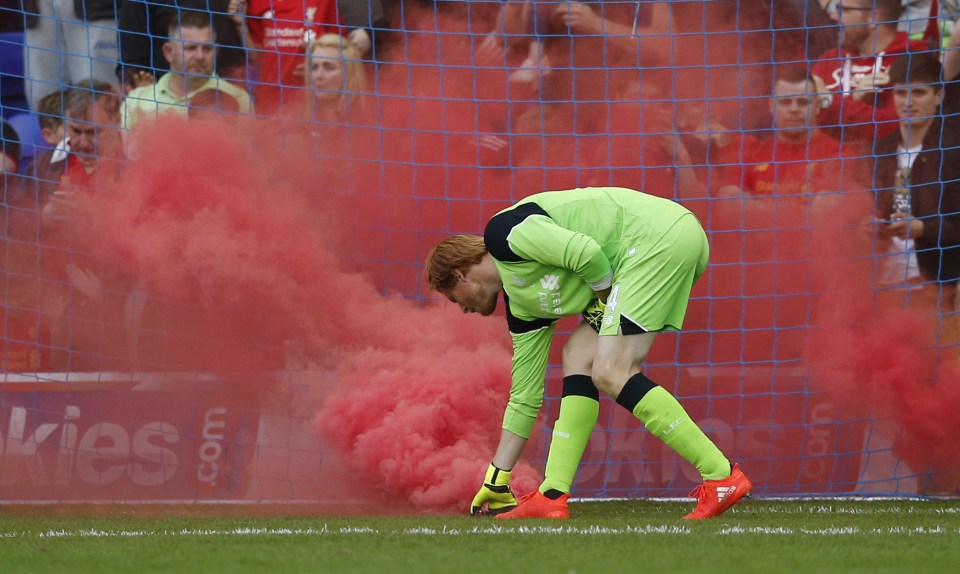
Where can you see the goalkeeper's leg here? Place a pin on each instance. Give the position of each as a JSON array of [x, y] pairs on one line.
[[619, 359], [650, 293], [579, 409], [724, 484]]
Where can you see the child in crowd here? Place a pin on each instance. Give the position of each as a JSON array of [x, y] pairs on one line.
[[50, 110]]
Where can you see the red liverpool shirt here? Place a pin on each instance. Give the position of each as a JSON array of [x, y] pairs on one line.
[[282, 29], [776, 168]]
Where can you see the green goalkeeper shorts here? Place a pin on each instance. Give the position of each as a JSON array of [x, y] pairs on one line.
[[651, 286]]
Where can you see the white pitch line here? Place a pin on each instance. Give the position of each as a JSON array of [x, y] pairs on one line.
[[494, 530], [824, 500]]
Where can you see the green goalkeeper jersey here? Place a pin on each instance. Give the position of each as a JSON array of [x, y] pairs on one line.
[[553, 251]]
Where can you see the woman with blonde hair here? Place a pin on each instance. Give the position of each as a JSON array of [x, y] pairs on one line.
[[337, 79]]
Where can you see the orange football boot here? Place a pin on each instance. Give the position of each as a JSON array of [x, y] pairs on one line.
[[714, 497], [536, 505]]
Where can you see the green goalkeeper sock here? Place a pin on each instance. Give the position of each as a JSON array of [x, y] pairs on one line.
[[665, 418], [579, 409]]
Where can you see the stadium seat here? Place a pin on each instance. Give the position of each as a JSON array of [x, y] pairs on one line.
[[13, 95], [32, 143]]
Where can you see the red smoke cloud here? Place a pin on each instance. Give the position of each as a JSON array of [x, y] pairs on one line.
[[419, 421], [239, 252], [886, 357]]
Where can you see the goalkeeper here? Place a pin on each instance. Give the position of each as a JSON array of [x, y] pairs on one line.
[[627, 261]]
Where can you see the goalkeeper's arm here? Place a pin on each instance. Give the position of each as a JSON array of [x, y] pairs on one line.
[[509, 450], [530, 351]]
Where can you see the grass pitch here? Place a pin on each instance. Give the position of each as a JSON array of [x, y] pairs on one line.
[[623, 536]]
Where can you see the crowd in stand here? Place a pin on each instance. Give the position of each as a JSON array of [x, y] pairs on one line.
[[860, 95]]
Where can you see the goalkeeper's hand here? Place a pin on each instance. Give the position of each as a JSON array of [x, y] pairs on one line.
[[594, 314], [495, 494]]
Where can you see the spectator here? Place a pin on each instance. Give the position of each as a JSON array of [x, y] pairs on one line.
[[278, 34], [50, 112], [9, 148], [68, 41], [191, 52], [87, 157], [87, 161], [798, 160], [854, 74], [337, 79], [918, 185], [337, 115], [50, 116], [592, 27], [144, 26]]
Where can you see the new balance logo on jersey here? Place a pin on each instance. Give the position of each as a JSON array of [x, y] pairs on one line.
[[725, 492], [551, 282]]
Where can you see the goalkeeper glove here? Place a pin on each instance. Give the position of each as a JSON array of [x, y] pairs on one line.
[[495, 493], [594, 314]]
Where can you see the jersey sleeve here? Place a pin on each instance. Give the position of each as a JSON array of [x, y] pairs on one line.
[[859, 119], [540, 239], [531, 349]]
